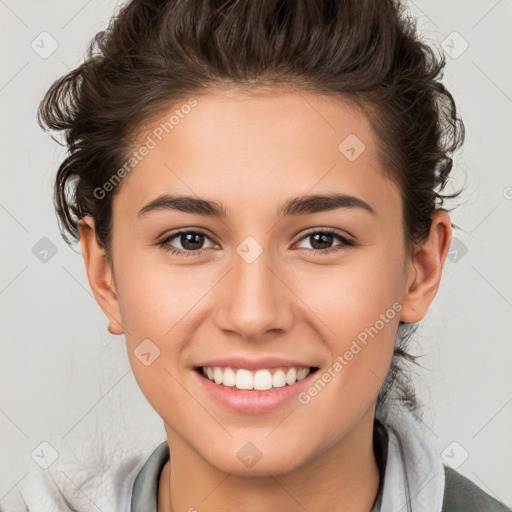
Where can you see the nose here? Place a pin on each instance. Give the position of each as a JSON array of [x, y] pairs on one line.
[[255, 299]]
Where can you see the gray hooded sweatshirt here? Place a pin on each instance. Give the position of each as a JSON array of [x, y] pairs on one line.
[[414, 478]]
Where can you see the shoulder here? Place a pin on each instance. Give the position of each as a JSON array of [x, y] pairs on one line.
[[461, 494], [74, 487], [37, 490]]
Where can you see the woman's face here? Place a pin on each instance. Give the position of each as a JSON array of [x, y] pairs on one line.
[[260, 287]]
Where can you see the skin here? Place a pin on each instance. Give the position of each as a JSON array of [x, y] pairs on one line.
[[252, 152]]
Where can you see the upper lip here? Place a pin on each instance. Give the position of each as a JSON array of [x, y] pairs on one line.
[[255, 364]]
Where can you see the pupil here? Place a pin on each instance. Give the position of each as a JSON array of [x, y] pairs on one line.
[[322, 235], [191, 244]]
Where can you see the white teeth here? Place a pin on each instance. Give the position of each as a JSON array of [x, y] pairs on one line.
[[217, 375], [279, 379], [260, 380], [229, 378], [291, 376], [302, 373], [243, 379]]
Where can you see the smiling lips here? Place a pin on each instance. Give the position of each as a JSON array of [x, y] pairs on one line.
[[260, 380], [254, 385]]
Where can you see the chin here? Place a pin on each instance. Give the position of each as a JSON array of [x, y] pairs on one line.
[[255, 459]]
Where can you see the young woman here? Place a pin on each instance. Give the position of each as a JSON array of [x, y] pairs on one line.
[[257, 190]]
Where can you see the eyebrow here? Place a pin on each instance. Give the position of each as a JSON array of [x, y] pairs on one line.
[[296, 206]]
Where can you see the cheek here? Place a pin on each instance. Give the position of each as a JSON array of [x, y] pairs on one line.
[[155, 302], [353, 295], [159, 306], [358, 306], [154, 297]]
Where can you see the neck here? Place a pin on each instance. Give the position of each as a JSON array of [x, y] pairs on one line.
[[344, 477]]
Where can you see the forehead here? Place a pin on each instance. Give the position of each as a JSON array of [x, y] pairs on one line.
[[246, 148]]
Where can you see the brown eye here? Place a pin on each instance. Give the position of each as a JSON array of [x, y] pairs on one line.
[[321, 241], [191, 243]]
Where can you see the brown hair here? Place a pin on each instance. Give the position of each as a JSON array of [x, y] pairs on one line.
[[155, 52]]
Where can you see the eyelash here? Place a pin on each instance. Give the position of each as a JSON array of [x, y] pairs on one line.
[[316, 252]]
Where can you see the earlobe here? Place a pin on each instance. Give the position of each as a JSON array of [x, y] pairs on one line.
[[99, 274], [426, 269]]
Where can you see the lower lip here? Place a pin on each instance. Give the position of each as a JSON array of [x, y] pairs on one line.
[[252, 401]]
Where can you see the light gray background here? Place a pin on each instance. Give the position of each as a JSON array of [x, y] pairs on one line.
[[65, 380]]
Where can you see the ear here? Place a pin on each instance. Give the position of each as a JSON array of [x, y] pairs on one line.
[[425, 269], [100, 274]]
